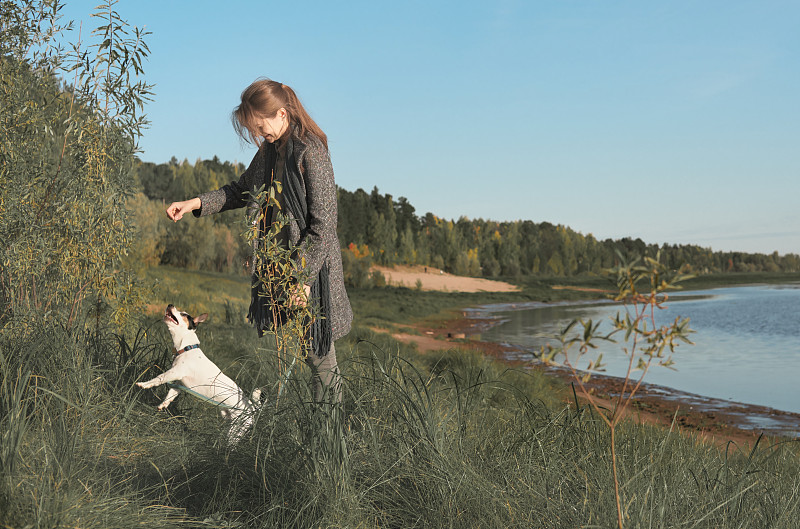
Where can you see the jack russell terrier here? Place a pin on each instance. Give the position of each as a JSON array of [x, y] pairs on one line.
[[199, 376]]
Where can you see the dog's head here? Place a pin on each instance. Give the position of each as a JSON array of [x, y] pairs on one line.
[[179, 322], [174, 317]]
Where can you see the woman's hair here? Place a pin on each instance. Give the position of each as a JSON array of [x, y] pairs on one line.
[[263, 99]]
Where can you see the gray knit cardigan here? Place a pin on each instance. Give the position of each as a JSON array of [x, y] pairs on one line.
[[318, 243]]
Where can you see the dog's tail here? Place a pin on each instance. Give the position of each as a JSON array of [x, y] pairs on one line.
[[255, 397]]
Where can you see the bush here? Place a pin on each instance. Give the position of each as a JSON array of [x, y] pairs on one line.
[[377, 278], [66, 158]]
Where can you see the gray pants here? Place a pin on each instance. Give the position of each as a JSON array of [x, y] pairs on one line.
[[326, 380]]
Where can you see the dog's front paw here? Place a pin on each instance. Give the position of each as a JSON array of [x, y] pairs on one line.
[[162, 407]]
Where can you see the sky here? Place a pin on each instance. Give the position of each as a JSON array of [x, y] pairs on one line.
[[671, 121]]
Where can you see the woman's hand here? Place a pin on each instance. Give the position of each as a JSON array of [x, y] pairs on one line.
[[176, 210], [301, 296]]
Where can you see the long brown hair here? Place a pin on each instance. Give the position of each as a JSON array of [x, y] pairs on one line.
[[262, 99]]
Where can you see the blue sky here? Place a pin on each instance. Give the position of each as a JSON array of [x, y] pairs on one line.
[[676, 122]]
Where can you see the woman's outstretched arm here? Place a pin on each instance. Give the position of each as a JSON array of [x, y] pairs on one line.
[[177, 210]]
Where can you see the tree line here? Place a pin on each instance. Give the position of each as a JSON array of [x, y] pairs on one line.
[[374, 228]]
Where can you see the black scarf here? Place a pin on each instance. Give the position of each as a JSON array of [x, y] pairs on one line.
[[295, 201]]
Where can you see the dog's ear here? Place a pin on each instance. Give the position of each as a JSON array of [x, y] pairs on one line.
[[201, 318]]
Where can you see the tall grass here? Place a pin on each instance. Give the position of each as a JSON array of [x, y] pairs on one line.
[[68, 427], [436, 440]]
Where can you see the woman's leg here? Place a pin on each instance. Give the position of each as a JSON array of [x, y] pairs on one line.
[[326, 380]]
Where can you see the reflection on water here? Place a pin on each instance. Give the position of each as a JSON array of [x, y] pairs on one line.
[[747, 341]]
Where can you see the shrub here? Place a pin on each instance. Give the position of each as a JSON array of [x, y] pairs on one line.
[[66, 156]]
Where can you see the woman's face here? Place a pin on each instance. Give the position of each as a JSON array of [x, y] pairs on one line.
[[271, 129]]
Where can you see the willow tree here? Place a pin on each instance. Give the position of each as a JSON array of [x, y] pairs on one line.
[[66, 152]]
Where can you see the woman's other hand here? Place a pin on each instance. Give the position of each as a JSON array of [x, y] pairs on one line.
[[301, 296], [176, 210]]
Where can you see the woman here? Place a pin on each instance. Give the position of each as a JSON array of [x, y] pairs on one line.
[[292, 148]]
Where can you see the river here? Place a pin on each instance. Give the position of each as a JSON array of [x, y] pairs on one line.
[[746, 341]]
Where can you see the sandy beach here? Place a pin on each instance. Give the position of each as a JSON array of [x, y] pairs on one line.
[[434, 279]]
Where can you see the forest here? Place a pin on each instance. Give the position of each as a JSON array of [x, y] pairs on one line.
[[376, 228]]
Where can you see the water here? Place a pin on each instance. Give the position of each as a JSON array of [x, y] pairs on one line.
[[747, 341]]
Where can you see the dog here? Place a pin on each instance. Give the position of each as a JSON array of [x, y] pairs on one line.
[[199, 376]]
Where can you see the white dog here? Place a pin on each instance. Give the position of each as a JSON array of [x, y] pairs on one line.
[[199, 376]]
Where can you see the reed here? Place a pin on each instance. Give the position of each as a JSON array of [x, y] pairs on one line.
[[438, 440]]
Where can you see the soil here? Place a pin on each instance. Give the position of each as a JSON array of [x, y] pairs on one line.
[[711, 420]]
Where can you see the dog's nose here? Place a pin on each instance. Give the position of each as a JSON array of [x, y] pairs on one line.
[[170, 306]]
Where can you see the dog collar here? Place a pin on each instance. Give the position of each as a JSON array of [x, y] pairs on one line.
[[187, 348]]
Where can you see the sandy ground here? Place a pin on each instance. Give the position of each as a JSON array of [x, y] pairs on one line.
[[435, 279]]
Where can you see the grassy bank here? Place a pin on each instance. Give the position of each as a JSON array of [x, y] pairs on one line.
[[446, 439], [225, 296], [729, 280]]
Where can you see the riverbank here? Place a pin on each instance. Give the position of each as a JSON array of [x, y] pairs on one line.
[[705, 416], [714, 420]]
